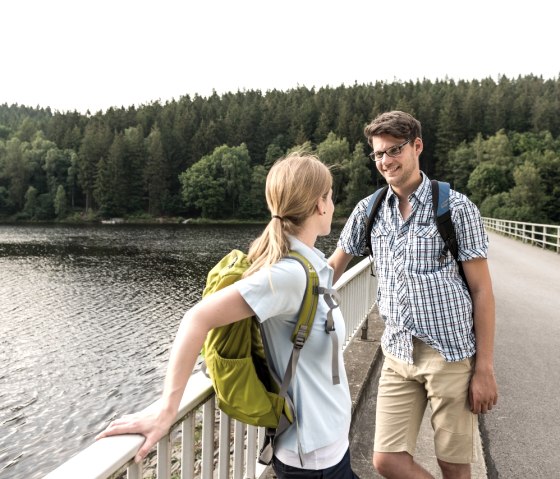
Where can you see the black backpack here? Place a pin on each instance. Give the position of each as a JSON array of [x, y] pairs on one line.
[[442, 216]]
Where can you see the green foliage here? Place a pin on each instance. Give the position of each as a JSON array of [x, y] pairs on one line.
[[516, 177], [216, 185], [31, 201], [359, 173], [16, 171], [465, 124], [462, 161], [6, 205], [487, 179], [4, 132], [335, 152], [60, 203], [95, 146], [156, 174], [253, 205], [528, 195], [110, 181]]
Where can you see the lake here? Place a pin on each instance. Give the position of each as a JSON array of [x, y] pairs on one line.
[[87, 316]]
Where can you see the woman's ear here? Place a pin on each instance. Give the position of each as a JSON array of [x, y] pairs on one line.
[[320, 206]]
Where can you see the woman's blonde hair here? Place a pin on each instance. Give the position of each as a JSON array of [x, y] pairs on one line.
[[293, 186]]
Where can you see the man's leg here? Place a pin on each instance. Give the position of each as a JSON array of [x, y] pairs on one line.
[[399, 465], [401, 402], [454, 424]]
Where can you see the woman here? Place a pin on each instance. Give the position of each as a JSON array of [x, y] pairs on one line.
[[299, 197]]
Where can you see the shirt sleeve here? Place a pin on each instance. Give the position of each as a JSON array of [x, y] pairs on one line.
[[274, 291], [352, 239], [469, 228]]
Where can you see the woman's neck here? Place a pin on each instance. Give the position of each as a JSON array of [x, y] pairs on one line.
[[307, 237]]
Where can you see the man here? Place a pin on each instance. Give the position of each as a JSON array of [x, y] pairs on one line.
[[439, 339]]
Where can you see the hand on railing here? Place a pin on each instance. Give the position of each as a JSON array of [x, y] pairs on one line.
[[152, 424]]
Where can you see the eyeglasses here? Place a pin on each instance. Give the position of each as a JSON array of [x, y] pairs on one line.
[[391, 152]]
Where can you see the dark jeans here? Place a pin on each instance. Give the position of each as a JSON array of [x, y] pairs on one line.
[[342, 470]]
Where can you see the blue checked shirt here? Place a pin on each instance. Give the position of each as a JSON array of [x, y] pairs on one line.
[[417, 294]]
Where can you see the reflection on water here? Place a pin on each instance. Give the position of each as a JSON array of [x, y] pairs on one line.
[[87, 316]]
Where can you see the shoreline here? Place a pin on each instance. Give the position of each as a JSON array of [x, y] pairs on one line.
[[148, 222]]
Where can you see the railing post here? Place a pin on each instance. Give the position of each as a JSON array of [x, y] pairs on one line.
[[164, 457], [223, 446], [134, 471], [251, 453], [187, 448], [238, 434], [208, 422], [364, 335]]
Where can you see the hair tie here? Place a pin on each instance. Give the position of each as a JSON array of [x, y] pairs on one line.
[[279, 217]]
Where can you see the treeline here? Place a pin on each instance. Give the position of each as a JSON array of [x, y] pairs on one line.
[[496, 141]]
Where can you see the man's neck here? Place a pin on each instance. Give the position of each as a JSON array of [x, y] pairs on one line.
[[403, 192]]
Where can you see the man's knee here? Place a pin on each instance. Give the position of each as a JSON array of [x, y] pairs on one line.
[[385, 463], [399, 465], [454, 471]]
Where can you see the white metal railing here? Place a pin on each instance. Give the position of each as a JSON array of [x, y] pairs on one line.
[[206, 450], [546, 236]]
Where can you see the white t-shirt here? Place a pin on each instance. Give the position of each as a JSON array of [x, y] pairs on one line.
[[323, 409]]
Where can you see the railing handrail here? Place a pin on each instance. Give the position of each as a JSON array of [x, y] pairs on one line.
[[105, 457], [544, 235], [525, 223]]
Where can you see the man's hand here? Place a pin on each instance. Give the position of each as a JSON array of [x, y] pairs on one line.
[[483, 391]]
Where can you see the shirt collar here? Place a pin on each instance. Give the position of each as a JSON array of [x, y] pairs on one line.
[[423, 192], [315, 256]]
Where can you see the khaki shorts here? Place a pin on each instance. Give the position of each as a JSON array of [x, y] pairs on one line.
[[404, 391]]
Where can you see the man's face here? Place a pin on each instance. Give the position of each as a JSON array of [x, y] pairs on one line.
[[397, 160]]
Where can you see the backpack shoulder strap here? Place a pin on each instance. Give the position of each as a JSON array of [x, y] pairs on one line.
[[372, 207], [309, 303], [308, 311], [442, 216], [300, 334]]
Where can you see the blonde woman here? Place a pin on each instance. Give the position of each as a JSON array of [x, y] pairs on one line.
[[299, 197]]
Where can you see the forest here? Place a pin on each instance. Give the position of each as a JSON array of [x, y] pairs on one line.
[[207, 157]]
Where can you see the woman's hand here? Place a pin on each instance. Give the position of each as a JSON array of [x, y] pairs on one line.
[[152, 425]]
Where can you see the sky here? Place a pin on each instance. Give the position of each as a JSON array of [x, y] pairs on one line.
[[94, 54]]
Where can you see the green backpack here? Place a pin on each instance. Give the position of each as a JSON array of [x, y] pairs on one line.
[[236, 359]]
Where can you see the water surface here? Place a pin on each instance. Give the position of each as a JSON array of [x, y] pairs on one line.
[[87, 316]]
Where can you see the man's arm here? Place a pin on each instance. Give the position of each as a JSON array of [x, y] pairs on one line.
[[339, 261], [483, 387]]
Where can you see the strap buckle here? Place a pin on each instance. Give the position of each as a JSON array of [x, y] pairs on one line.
[[300, 337]]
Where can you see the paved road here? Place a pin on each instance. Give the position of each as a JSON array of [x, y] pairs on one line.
[[522, 433]]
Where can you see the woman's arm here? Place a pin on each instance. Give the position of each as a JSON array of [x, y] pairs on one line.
[[222, 307]]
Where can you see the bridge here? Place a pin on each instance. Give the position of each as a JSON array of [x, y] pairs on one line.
[[520, 437]]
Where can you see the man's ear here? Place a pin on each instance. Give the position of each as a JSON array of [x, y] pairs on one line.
[[418, 145]]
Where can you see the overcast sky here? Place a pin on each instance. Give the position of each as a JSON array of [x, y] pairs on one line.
[[82, 54]]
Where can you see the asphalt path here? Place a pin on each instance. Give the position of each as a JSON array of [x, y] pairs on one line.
[[521, 435]]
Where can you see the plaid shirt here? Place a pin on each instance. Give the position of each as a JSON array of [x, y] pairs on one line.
[[417, 294]]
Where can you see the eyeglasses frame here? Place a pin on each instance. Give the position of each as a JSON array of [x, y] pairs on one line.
[[373, 154]]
